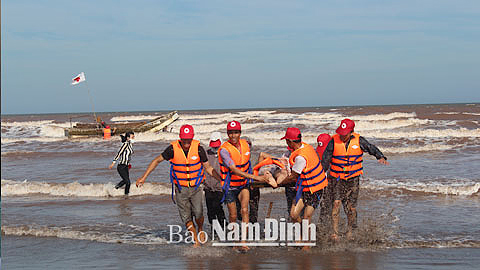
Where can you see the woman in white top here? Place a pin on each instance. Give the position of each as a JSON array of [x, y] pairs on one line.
[[123, 157]]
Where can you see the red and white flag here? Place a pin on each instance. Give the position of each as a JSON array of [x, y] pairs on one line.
[[78, 79]]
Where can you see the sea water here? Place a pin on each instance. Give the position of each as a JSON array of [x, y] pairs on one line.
[[60, 209]]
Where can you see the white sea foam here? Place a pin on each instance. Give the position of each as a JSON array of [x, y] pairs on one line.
[[26, 123], [8, 153], [384, 117], [454, 187], [138, 237], [128, 118], [425, 133], [36, 130], [34, 139], [451, 113], [416, 148], [75, 189]]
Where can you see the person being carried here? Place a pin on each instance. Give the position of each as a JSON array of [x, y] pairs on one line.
[[277, 167], [123, 157], [212, 187], [279, 174], [344, 156], [188, 163]]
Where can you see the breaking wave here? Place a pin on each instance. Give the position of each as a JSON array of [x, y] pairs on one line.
[[127, 234], [75, 189], [454, 187]]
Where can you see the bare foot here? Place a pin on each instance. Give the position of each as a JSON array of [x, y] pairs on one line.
[[334, 237], [202, 237], [270, 180], [282, 176], [350, 236], [306, 248], [244, 248], [196, 245]]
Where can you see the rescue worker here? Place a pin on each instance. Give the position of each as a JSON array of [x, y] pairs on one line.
[[212, 187], [326, 204], [236, 172], [307, 172], [344, 156], [188, 163]]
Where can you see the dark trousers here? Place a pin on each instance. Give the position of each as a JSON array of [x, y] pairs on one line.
[[214, 206], [326, 205], [122, 169]]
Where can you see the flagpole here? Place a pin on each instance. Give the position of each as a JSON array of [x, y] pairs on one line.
[[91, 100]]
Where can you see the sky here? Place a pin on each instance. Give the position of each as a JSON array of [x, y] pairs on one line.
[[151, 55]]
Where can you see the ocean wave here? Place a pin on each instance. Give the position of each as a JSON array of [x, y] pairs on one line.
[[33, 139], [36, 130], [425, 133], [75, 189], [129, 118], [454, 187], [417, 149], [379, 117], [136, 235], [26, 123], [13, 153], [267, 138], [133, 236], [436, 243]]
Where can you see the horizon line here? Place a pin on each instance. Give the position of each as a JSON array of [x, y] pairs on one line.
[[246, 108]]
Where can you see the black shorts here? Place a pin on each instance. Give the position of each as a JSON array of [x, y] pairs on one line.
[[347, 190], [312, 199]]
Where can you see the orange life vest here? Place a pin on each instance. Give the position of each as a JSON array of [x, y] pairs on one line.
[[186, 171], [346, 163], [313, 177], [241, 158], [107, 133], [267, 161]]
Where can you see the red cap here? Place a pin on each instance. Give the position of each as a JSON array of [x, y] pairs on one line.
[[215, 144], [292, 133], [323, 138], [322, 141], [234, 125], [346, 126], [186, 132]]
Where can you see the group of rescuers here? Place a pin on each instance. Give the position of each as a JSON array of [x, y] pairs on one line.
[[302, 171]]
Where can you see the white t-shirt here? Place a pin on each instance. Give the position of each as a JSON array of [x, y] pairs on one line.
[[300, 164]]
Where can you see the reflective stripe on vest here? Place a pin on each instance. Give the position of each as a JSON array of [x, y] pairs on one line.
[[312, 178], [346, 163], [186, 171], [241, 159]]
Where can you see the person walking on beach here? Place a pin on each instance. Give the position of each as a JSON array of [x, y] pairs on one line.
[[123, 157], [344, 156], [254, 197], [213, 187], [236, 171], [188, 163], [307, 172]]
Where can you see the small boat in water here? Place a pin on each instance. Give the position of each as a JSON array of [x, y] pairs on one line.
[[96, 129]]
